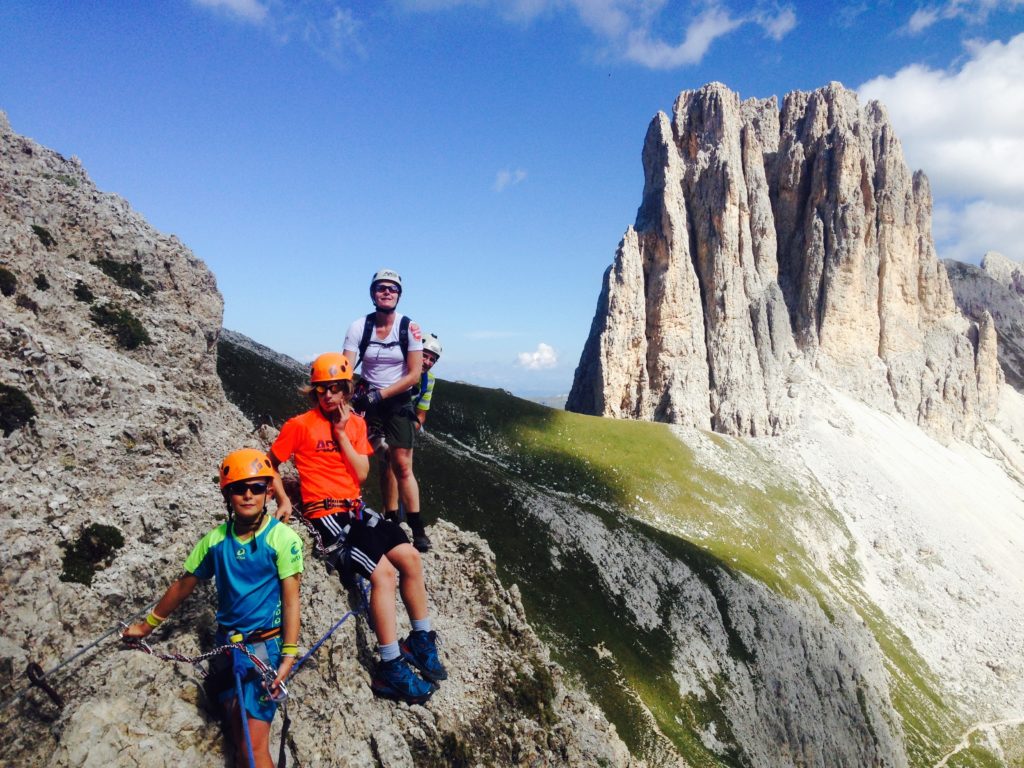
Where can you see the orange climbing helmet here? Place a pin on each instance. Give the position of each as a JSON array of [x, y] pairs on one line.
[[330, 366], [245, 464]]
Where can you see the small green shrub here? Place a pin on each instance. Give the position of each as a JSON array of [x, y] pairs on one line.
[[121, 324], [93, 551], [8, 282], [456, 752], [82, 293], [126, 275], [44, 236], [534, 693], [25, 302], [16, 410], [41, 282], [64, 178]]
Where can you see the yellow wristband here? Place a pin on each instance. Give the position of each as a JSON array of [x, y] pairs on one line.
[[153, 620], [289, 649]]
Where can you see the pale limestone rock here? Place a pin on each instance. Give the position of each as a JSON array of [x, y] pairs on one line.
[[805, 242], [995, 290], [132, 439]]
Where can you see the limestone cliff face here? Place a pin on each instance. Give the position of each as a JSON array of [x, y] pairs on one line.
[[996, 290], [109, 330], [770, 241]]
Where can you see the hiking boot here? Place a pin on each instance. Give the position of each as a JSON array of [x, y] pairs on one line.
[[421, 541], [395, 680], [420, 650]]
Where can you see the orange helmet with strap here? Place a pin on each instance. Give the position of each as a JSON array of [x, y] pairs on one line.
[[330, 366], [245, 464]]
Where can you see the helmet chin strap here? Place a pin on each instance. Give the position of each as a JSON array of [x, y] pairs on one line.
[[385, 310], [256, 525]]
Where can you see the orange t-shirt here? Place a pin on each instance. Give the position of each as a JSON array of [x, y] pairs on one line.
[[323, 471]]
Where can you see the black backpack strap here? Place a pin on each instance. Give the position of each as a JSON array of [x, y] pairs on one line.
[[403, 336], [365, 341]]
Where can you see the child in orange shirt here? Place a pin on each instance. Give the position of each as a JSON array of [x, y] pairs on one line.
[[331, 452]]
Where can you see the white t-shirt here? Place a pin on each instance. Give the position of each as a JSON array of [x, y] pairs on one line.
[[383, 363]]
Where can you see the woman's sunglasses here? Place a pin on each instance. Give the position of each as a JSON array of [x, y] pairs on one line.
[[239, 488], [334, 388]]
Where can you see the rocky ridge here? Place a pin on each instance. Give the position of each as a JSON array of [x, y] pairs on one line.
[[109, 329], [772, 244], [995, 288]]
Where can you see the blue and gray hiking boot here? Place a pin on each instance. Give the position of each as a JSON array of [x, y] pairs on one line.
[[420, 650], [394, 680]]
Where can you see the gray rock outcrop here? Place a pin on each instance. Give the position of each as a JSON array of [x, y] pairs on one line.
[[995, 289], [109, 329], [770, 243]]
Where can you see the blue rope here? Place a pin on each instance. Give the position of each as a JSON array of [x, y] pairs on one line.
[[239, 669], [364, 590]]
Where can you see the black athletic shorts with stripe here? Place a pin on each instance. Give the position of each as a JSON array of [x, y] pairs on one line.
[[367, 540]]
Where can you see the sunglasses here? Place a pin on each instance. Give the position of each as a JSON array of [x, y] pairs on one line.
[[388, 289], [239, 488], [334, 388]]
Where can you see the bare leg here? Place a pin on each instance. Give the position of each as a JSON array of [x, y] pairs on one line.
[[409, 490], [259, 732], [384, 585], [406, 559], [389, 489]]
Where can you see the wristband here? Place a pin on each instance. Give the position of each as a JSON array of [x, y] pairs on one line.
[[153, 620], [289, 649]]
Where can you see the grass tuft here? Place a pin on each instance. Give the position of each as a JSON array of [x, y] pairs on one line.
[[16, 410], [8, 282], [127, 330], [93, 551], [126, 275]]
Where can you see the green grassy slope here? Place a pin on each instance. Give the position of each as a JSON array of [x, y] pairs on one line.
[[488, 454]]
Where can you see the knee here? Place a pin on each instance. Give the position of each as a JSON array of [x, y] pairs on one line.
[[401, 463], [384, 576], [407, 559]]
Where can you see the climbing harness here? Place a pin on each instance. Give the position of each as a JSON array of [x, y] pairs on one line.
[[265, 671]]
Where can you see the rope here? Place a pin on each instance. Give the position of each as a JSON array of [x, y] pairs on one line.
[[239, 669], [265, 671], [71, 658]]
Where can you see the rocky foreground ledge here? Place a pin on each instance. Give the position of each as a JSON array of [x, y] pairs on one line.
[[113, 426]]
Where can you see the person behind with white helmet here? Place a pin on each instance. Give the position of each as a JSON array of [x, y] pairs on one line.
[[431, 354], [389, 348], [421, 404]]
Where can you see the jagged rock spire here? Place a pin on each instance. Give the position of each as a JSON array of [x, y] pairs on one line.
[[769, 241]]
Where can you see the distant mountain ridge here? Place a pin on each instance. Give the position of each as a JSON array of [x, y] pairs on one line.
[[995, 288], [771, 245]]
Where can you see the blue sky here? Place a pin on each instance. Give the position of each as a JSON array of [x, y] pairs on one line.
[[489, 151]]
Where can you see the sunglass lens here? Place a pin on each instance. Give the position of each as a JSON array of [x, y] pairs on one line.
[[239, 489]]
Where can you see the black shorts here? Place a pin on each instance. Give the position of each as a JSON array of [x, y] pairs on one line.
[[366, 540], [395, 419]]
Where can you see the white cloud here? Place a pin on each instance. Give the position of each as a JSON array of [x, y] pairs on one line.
[[642, 31], [971, 11], [329, 28], [965, 232], [544, 357], [247, 10], [701, 33], [508, 178], [777, 26], [963, 128], [922, 19]]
